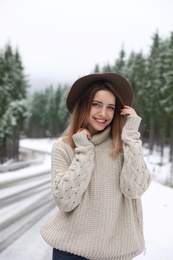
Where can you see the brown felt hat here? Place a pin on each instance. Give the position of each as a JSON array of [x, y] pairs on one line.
[[122, 87]]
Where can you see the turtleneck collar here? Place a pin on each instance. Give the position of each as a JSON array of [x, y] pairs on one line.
[[101, 136]]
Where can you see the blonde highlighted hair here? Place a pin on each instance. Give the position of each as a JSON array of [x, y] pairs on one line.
[[81, 112]]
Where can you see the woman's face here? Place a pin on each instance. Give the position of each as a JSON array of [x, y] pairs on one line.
[[102, 111]]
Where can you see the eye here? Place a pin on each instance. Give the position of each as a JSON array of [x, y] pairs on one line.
[[95, 104], [111, 108]]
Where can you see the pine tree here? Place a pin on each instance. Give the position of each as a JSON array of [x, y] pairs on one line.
[[97, 68], [154, 82], [136, 74], [167, 93], [120, 64], [36, 122], [63, 114], [13, 110], [48, 112]]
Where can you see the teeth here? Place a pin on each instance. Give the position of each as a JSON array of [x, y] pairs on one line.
[[101, 120]]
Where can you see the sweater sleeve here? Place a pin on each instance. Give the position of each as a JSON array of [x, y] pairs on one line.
[[70, 179], [135, 177]]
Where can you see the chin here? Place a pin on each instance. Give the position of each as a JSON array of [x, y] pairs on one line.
[[101, 129]]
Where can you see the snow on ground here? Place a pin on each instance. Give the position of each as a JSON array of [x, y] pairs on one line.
[[158, 222], [157, 207], [160, 168], [30, 246], [44, 145]]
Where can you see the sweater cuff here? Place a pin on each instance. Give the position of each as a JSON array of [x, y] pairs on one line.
[[132, 122], [80, 139]]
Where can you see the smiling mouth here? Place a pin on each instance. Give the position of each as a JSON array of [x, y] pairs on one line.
[[100, 120]]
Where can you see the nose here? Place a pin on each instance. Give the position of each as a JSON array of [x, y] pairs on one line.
[[102, 112]]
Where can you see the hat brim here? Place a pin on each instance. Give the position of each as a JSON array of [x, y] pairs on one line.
[[122, 87]]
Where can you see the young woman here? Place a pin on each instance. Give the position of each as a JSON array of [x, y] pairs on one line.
[[98, 174]]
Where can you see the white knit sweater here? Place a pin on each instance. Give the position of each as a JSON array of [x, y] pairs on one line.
[[100, 216]]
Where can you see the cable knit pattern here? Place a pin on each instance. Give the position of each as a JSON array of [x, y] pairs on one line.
[[70, 181], [135, 176], [100, 216]]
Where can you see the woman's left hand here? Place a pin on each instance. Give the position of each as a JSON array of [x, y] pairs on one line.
[[128, 111]]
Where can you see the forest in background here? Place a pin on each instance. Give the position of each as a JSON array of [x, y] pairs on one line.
[[44, 114]]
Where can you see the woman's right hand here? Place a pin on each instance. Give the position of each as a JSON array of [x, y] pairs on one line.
[[84, 130]]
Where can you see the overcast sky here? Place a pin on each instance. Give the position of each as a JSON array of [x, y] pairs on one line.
[[61, 40]]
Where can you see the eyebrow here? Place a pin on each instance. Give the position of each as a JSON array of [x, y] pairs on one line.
[[102, 103]]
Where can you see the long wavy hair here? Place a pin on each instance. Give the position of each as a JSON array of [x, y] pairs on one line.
[[81, 113]]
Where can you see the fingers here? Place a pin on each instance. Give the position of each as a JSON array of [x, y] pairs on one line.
[[128, 111], [84, 130]]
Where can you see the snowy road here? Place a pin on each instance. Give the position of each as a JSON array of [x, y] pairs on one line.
[[158, 228], [30, 246], [158, 220]]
